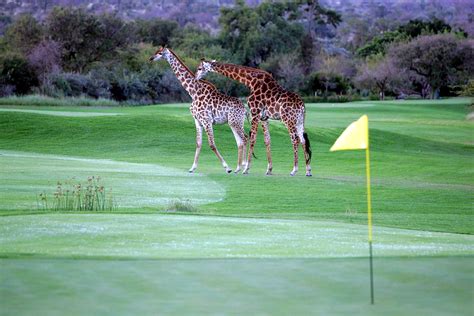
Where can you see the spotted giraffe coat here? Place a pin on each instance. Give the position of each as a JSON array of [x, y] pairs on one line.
[[209, 107]]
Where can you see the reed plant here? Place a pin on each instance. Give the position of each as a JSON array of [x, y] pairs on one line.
[[76, 196]]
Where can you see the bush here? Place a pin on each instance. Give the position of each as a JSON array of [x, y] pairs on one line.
[[77, 85], [6, 90], [468, 89], [16, 72]]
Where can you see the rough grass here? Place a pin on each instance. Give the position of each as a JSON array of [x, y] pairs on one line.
[[41, 100]]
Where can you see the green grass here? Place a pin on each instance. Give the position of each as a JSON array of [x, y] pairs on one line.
[[422, 164], [404, 286], [297, 244]]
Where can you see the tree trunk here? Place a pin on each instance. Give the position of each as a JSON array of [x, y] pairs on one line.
[[434, 93], [382, 90]]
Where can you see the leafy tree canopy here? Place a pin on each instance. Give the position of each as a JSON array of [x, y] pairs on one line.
[[410, 30]]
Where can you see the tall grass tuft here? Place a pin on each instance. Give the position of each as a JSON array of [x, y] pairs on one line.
[[178, 205], [70, 196]]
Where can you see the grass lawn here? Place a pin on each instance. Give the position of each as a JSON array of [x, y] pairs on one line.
[[251, 244]]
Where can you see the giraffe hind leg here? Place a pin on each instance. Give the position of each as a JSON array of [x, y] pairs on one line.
[[305, 143], [241, 141], [267, 140], [295, 142], [252, 140], [210, 138]]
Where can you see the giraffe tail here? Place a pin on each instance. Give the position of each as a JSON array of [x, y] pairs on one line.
[[308, 147]]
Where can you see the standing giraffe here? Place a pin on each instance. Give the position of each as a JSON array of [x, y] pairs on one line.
[[208, 107], [267, 100]]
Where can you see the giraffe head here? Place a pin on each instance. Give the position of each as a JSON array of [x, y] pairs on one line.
[[161, 52], [203, 68]]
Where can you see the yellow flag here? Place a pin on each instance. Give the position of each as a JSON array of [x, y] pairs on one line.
[[355, 136]]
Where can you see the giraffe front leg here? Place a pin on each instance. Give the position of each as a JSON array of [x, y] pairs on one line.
[[295, 142], [198, 145], [210, 138], [253, 139], [266, 133]]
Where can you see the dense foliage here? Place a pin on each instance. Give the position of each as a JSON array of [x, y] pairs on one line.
[[73, 52]]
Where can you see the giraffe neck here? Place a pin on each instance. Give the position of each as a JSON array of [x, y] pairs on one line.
[[251, 77], [182, 72]]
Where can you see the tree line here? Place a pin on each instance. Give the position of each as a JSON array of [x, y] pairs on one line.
[[76, 53]]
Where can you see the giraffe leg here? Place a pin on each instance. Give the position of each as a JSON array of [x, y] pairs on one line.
[[210, 138], [241, 141], [306, 149], [253, 139], [266, 133], [198, 145], [295, 141]]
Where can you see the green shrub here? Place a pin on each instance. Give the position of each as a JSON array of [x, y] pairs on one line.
[[16, 72], [468, 89]]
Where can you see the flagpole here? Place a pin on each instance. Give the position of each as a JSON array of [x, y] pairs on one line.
[[369, 214]]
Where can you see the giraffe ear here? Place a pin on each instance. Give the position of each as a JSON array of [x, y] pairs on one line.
[[213, 61], [203, 59]]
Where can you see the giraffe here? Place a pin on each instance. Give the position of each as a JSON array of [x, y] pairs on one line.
[[267, 100], [208, 107]]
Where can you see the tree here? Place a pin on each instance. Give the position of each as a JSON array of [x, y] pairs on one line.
[[418, 27], [87, 38], [15, 72], [45, 59], [312, 15], [440, 59], [414, 28], [380, 75], [332, 72], [156, 31], [24, 34], [254, 34], [379, 44], [290, 72]]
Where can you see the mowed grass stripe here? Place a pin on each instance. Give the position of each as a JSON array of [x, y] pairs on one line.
[[189, 236]]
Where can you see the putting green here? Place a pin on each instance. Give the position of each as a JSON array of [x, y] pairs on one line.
[[403, 286], [138, 264], [25, 175], [154, 236]]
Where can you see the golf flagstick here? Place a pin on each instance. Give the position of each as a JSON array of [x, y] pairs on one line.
[[369, 218], [356, 136]]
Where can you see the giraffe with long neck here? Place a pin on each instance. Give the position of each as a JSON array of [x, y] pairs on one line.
[[208, 107], [267, 100]]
